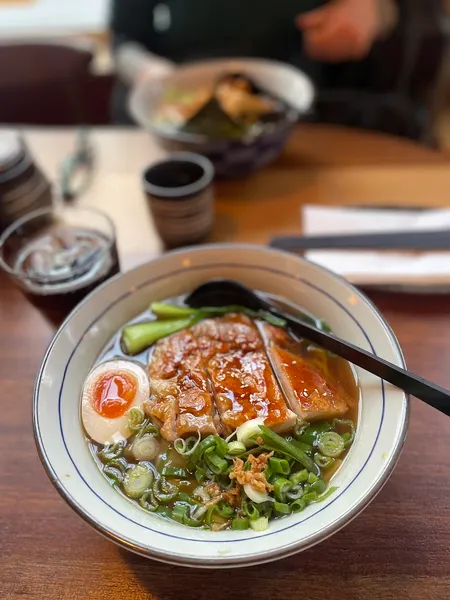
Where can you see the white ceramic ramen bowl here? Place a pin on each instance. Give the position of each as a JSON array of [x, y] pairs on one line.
[[383, 414]]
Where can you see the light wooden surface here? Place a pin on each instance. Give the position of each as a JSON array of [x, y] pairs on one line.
[[398, 548], [322, 165]]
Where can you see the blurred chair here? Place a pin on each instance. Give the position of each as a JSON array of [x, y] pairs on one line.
[[399, 88], [44, 83]]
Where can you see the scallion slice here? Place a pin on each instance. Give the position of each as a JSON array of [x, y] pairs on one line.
[[137, 480], [348, 436], [148, 501], [240, 524], [260, 524], [111, 451], [236, 448], [114, 475], [175, 472], [280, 488], [299, 477], [187, 447], [135, 419], [251, 510], [164, 491], [331, 444], [324, 462], [298, 505], [279, 465], [295, 492], [282, 508]]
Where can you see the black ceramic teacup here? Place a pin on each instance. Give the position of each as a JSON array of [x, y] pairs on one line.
[[180, 195]]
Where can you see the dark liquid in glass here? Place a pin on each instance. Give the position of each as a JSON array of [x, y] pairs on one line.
[[60, 267]]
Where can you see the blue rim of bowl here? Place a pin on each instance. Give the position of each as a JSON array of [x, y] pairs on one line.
[[216, 562]]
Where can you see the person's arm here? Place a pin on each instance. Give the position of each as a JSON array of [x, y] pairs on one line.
[[345, 30], [132, 29]]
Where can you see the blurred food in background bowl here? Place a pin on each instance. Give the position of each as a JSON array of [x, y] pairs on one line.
[[237, 112]]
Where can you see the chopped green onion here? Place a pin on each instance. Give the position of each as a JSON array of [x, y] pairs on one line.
[[279, 465], [147, 427], [175, 472], [240, 524], [221, 446], [170, 311], [299, 477], [324, 462], [299, 429], [260, 524], [164, 491], [148, 501], [319, 486], [145, 447], [197, 454], [298, 505], [111, 451], [280, 488], [236, 448], [135, 419], [310, 497], [217, 464], [282, 508], [118, 463], [187, 447], [251, 510], [349, 436], [279, 444], [165, 511], [137, 480], [184, 497], [210, 514], [114, 475], [295, 492], [327, 494], [312, 432], [224, 510], [181, 513], [140, 336], [312, 478], [200, 475], [331, 444]]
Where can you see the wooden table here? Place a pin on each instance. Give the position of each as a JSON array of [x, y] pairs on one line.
[[398, 548]]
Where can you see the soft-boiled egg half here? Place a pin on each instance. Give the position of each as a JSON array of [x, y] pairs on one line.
[[111, 389]]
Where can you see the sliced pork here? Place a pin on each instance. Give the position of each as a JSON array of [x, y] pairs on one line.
[[309, 394], [213, 377]]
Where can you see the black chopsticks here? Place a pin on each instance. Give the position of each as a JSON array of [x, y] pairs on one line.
[[393, 240]]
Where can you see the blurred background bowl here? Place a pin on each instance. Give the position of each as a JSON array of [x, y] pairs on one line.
[[232, 158]]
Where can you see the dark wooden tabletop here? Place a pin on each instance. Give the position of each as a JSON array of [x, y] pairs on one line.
[[399, 547]]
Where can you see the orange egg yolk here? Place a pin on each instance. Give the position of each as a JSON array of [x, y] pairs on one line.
[[113, 394]]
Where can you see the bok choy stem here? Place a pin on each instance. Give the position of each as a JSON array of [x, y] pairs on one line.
[[138, 337]]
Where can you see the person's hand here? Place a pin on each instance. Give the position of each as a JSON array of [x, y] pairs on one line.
[[342, 30]]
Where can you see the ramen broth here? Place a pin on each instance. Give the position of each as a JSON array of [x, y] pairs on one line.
[[188, 494]]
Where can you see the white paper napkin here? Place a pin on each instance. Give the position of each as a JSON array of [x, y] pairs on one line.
[[422, 270]]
